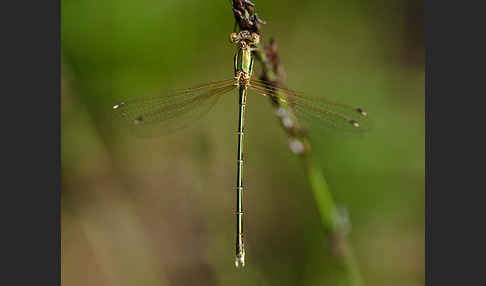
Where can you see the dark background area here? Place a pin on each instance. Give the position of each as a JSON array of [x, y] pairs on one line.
[[160, 211]]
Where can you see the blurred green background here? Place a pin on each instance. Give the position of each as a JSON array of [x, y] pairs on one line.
[[161, 211]]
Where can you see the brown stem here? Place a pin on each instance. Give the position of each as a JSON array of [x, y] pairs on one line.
[[272, 71]]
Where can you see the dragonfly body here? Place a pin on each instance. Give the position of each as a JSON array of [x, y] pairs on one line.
[[160, 112], [243, 71]]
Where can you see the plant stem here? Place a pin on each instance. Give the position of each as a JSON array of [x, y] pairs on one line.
[[333, 223]]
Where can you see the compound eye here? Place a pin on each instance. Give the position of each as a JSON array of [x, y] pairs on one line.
[[234, 38], [255, 38]]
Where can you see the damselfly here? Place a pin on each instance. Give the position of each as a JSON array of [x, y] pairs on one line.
[[165, 112]]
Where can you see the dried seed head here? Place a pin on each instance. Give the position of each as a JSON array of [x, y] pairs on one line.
[[280, 112], [296, 146], [362, 112], [354, 123], [287, 122]]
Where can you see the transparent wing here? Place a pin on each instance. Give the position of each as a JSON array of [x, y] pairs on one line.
[[151, 116], [317, 112]]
